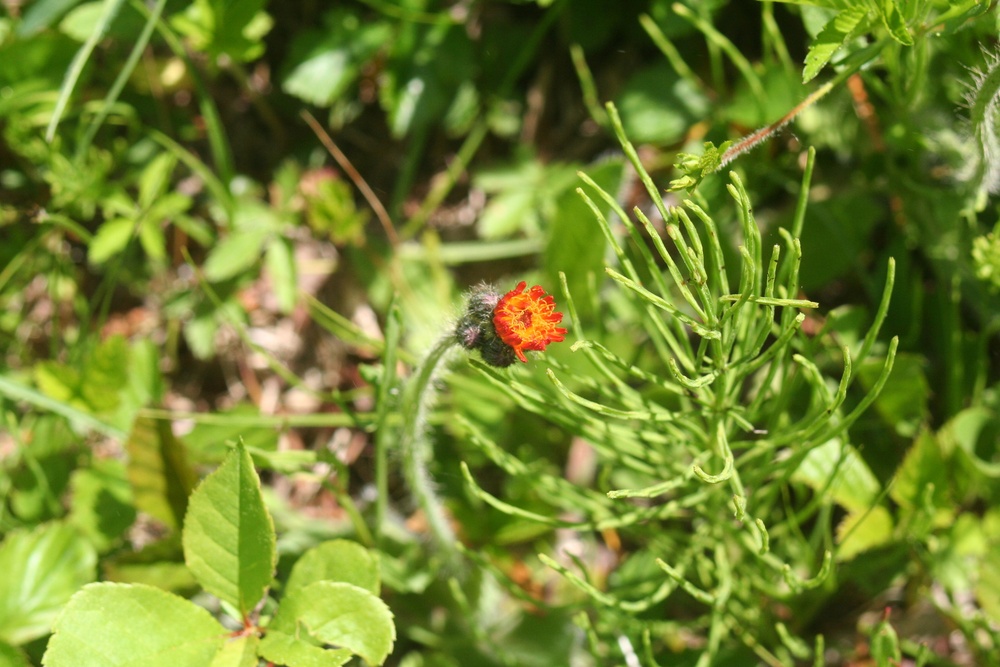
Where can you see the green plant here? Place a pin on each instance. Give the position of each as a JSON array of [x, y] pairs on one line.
[[329, 599]]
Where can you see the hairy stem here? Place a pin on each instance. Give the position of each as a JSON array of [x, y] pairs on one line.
[[416, 448]]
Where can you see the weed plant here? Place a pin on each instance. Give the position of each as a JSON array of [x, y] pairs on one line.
[[758, 424]]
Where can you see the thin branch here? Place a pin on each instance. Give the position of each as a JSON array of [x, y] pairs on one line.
[[353, 174]]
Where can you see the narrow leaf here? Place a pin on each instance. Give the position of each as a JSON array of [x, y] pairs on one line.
[[229, 541], [112, 625], [40, 570], [341, 615], [158, 471]]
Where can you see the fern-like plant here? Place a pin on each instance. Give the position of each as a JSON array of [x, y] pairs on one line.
[[722, 432]]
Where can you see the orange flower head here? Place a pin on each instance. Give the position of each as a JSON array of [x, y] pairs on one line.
[[527, 320]]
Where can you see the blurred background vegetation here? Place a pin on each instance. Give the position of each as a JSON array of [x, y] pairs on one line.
[[241, 219]]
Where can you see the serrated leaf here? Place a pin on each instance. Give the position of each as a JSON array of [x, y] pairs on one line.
[[158, 471], [229, 541], [284, 649], [336, 560], [235, 254], [894, 23], [341, 615], [40, 570], [862, 530], [132, 625], [853, 486], [833, 35]]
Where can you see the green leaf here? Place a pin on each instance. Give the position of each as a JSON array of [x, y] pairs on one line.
[[284, 649], [923, 468], [238, 652], [988, 583], [833, 36], [281, 269], [339, 614], [229, 541], [112, 625], [12, 657], [862, 530], [235, 254], [322, 64], [837, 468], [336, 560], [158, 471], [41, 570], [226, 27], [894, 22], [111, 239], [657, 106], [102, 506], [903, 402], [155, 179]]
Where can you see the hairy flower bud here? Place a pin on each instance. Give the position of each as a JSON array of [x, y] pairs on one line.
[[502, 328]]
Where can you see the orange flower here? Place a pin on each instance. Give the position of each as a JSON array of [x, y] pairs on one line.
[[527, 320]]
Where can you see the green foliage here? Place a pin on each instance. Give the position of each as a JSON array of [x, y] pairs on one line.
[[229, 546], [716, 467], [42, 569]]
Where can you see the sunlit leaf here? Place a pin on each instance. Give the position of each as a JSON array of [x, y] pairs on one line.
[[125, 625], [229, 541], [158, 471], [41, 570]]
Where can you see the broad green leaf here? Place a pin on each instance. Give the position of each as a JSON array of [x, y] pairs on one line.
[[229, 541], [110, 239], [235, 254], [657, 106], [40, 570], [322, 64], [41, 15], [923, 468], [336, 560], [238, 652], [105, 374], [207, 441], [988, 583], [903, 402], [158, 471], [833, 36], [341, 615], [226, 27], [102, 506], [12, 657], [837, 468], [131, 625], [862, 530], [285, 649]]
